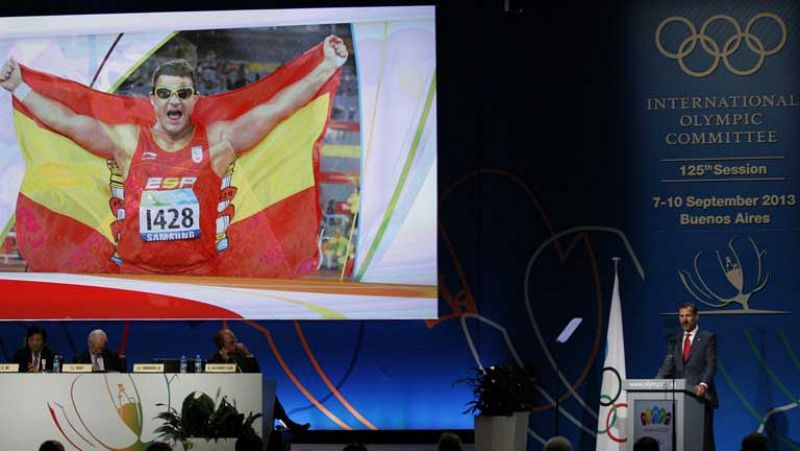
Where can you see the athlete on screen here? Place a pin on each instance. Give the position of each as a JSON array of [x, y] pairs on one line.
[[173, 174]]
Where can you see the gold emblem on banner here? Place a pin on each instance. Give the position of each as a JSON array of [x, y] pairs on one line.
[[731, 267], [721, 51]]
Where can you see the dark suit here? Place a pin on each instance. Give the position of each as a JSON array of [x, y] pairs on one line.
[[111, 360], [700, 367], [23, 357]]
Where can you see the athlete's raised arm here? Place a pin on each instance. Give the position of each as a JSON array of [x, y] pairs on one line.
[[248, 129], [88, 132]]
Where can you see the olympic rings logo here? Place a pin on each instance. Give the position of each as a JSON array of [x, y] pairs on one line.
[[712, 47], [608, 401]]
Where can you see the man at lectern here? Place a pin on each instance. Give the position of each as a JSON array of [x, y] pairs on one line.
[[35, 356], [692, 355], [103, 360]]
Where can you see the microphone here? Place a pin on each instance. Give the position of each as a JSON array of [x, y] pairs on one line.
[[673, 341]]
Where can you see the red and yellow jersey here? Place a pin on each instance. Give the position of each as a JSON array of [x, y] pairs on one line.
[[168, 218], [63, 220]]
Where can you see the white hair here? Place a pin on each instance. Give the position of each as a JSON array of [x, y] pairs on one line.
[[97, 333]]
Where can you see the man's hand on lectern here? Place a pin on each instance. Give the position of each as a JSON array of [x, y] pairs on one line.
[[700, 390]]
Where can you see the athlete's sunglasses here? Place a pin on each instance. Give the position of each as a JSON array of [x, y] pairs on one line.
[[167, 93]]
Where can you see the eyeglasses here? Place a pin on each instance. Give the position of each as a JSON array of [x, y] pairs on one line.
[[167, 93]]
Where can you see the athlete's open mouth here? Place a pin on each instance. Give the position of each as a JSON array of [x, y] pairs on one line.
[[174, 115]]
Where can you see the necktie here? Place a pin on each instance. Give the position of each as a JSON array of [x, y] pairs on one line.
[[36, 361], [95, 364], [687, 344]]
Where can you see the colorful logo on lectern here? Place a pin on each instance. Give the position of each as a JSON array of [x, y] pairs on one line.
[[655, 415]]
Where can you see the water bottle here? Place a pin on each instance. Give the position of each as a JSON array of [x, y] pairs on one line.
[[198, 364], [56, 363], [43, 365], [183, 364]]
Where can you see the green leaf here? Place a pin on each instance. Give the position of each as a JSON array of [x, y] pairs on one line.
[[202, 417]]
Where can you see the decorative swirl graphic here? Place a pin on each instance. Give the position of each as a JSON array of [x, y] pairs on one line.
[[81, 435]]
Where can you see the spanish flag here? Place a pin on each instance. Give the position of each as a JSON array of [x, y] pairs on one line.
[[270, 213]]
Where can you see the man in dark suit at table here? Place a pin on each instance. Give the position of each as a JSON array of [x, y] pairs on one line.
[[692, 355], [230, 350], [35, 356], [102, 359]]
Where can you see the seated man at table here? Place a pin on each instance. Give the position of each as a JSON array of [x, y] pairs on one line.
[[230, 350], [35, 356], [103, 360]]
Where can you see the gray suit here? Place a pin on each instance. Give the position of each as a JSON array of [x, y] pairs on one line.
[[700, 367]]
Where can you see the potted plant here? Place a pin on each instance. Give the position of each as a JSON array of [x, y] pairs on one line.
[[203, 419], [503, 398]]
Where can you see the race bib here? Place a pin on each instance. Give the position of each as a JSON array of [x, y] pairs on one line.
[[168, 215]]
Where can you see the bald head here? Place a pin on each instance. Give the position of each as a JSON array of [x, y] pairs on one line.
[[558, 443]]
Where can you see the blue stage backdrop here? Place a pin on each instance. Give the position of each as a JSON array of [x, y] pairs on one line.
[[664, 133], [714, 107]]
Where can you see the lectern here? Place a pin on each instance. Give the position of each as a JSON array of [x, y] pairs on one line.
[[650, 413]]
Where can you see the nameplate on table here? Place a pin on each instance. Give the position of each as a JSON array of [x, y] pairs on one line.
[[76, 368], [9, 367], [220, 367], [148, 367]]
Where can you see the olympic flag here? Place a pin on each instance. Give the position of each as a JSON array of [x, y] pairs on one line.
[[612, 416]]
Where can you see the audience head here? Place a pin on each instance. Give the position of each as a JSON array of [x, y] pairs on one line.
[[558, 443], [355, 446], [646, 444], [35, 338], [449, 442], [754, 442], [51, 445], [249, 442], [159, 446], [97, 342]]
